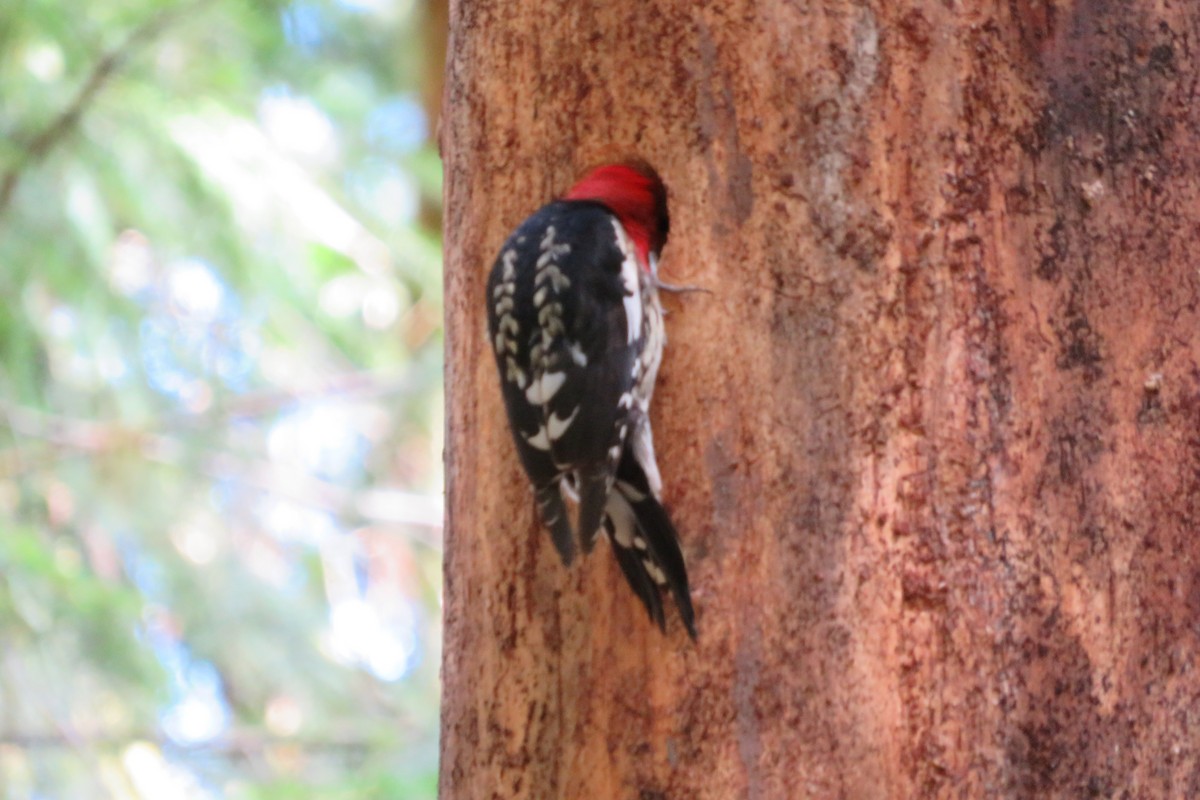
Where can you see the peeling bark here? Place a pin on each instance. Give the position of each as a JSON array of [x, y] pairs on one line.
[[931, 442]]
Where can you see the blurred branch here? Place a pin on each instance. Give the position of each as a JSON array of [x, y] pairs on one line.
[[390, 506], [40, 144], [361, 384], [89, 437], [268, 401]]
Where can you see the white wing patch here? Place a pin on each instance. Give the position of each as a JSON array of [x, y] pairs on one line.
[[514, 373], [507, 327], [630, 281], [552, 431], [547, 271], [550, 281], [655, 572], [544, 387], [539, 440], [557, 426], [621, 514], [550, 250], [510, 266]]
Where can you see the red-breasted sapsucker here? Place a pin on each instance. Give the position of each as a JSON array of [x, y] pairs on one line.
[[576, 327]]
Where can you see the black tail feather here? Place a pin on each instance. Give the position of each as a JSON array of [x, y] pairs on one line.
[[554, 516], [662, 547], [649, 554], [593, 496], [639, 579]]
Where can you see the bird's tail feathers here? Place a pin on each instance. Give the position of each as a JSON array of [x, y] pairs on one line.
[[554, 516], [647, 546], [593, 497]]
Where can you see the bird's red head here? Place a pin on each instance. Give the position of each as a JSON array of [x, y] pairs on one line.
[[635, 194]]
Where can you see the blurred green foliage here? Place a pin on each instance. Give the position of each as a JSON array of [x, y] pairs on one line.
[[220, 433]]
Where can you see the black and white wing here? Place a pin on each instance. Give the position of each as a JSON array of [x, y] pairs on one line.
[[565, 318]]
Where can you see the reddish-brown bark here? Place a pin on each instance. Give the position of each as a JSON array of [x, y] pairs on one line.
[[931, 442]]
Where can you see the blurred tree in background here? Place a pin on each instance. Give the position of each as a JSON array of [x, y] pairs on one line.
[[220, 377]]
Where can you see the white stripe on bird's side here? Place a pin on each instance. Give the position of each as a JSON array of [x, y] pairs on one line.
[[642, 440], [630, 281]]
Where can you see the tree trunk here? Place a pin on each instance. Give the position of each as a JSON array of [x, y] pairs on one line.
[[931, 441]]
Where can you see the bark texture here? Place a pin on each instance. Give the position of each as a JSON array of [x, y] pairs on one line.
[[931, 443]]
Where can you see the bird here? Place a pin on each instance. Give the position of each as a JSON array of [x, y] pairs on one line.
[[576, 328]]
